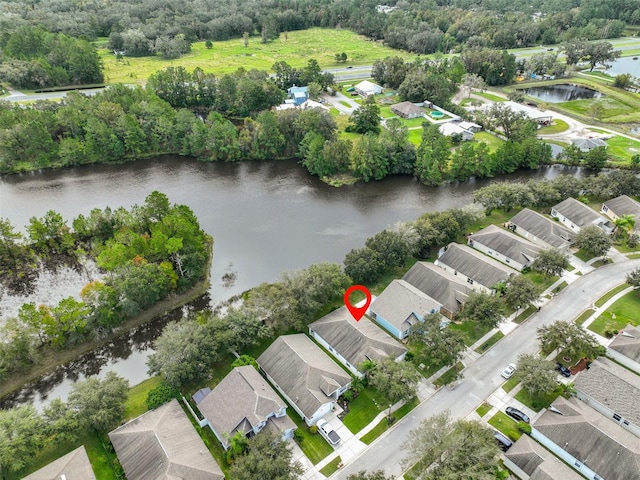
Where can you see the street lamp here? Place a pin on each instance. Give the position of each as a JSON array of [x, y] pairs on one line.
[[389, 414]]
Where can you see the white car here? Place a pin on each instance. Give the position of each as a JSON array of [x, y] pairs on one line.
[[328, 432], [509, 371]]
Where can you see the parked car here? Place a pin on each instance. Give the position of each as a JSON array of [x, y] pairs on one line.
[[503, 442], [509, 371], [517, 414], [328, 432], [564, 371]]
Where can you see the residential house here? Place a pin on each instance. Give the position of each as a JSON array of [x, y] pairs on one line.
[[450, 129], [366, 88], [531, 461], [540, 230], [620, 206], [586, 144], [532, 113], [407, 110], [612, 390], [400, 306], [74, 465], [298, 94], [625, 348], [588, 441], [443, 287], [162, 444], [243, 402], [481, 272], [306, 376], [470, 126], [353, 343], [576, 215], [289, 104], [504, 246]]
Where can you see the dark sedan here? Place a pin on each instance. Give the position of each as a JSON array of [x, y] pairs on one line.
[[564, 371], [517, 414]]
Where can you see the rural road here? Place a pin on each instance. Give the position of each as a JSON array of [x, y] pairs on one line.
[[482, 377]]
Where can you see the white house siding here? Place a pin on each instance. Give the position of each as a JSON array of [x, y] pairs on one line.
[[472, 283], [321, 412], [607, 412], [565, 221], [624, 360], [498, 256], [333, 352]]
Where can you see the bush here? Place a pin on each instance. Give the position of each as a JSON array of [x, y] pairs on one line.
[[348, 395], [313, 429], [161, 395], [633, 240], [297, 436], [524, 428]]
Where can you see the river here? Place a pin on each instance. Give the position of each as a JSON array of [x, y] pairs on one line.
[[265, 218]]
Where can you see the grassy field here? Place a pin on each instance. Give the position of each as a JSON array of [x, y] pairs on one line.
[[619, 315], [539, 402], [524, 314], [491, 140], [483, 409], [622, 148], [584, 316], [471, 331], [490, 96], [558, 126], [228, 56], [610, 294]]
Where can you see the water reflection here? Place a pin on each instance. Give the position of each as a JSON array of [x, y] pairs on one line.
[[561, 93]]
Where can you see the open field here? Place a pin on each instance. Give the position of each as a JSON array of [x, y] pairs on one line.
[[228, 56]]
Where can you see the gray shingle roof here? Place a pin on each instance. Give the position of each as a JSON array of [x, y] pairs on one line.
[[356, 341], [624, 205], [585, 144], [162, 444], [506, 243], [482, 269], [549, 231], [407, 108], [243, 396], [628, 343], [578, 213], [607, 448], [303, 371], [74, 465], [399, 301], [536, 461], [612, 386], [444, 287]]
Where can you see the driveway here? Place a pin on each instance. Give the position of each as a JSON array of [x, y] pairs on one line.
[[336, 101], [482, 377]]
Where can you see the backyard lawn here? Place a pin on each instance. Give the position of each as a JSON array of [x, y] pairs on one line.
[[623, 312], [491, 140], [622, 149]]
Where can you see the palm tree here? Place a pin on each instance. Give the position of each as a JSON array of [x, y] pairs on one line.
[[625, 223]]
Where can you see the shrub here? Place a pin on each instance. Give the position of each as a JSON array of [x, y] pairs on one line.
[[298, 436], [524, 428], [161, 395], [313, 429]]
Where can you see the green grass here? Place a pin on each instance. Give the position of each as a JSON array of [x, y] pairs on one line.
[[622, 149], [495, 338], [625, 309], [413, 122], [522, 316], [558, 126], [610, 294], [510, 384], [449, 376], [491, 140], [383, 426], [540, 279], [538, 402], [561, 286], [491, 96], [584, 316], [385, 112], [415, 136], [331, 467], [314, 446], [470, 330], [505, 424], [344, 103], [582, 255], [137, 402], [228, 56], [634, 256], [390, 275], [483, 409], [363, 410]]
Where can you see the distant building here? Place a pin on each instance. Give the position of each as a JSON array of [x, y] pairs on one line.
[[298, 94], [74, 465], [620, 206], [586, 144], [366, 88]]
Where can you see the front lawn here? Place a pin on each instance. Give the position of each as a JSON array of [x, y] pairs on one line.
[[540, 279], [383, 426], [483, 409], [619, 315], [522, 316], [314, 446], [538, 402], [610, 294], [495, 338], [331, 467], [449, 376], [471, 331], [584, 316], [510, 384], [505, 424], [363, 410]]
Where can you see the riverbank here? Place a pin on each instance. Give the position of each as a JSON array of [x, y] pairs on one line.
[[48, 359]]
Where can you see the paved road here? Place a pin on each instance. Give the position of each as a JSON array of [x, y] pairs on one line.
[[482, 377]]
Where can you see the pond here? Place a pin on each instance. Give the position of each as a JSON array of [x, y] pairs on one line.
[[624, 65], [561, 93]]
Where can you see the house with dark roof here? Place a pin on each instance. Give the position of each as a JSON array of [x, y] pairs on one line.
[[588, 441], [504, 246], [587, 144], [612, 390], [353, 343], [74, 465], [625, 348], [443, 287], [620, 206], [304, 375], [162, 444], [541, 231], [576, 215], [407, 110], [400, 306], [530, 460], [242, 402], [481, 272]]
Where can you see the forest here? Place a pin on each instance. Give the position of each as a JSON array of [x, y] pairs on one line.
[[144, 254]]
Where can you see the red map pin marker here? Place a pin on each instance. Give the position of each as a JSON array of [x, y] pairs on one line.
[[357, 312]]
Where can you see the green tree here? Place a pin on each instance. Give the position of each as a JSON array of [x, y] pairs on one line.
[[483, 308], [571, 339], [441, 448], [61, 421], [369, 158], [99, 404], [268, 457], [432, 156], [364, 475], [596, 158], [537, 375], [22, 435], [521, 291], [243, 360], [391, 247], [363, 265], [397, 381], [444, 346], [633, 278], [160, 395], [551, 262], [365, 118], [625, 224], [593, 240]]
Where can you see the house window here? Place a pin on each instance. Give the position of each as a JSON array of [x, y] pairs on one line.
[[490, 252], [469, 280], [471, 243], [617, 417], [605, 208], [507, 260], [330, 349], [626, 422]]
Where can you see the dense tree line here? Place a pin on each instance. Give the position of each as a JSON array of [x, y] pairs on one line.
[[146, 254], [34, 58]]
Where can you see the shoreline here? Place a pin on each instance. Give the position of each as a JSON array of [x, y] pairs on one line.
[[49, 359]]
